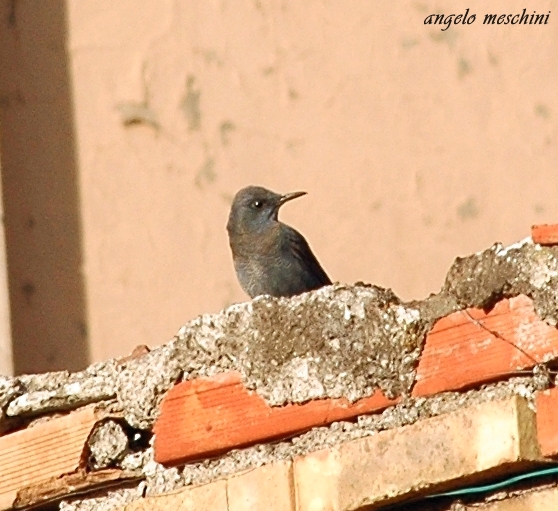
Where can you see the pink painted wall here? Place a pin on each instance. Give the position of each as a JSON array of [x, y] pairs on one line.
[[416, 145]]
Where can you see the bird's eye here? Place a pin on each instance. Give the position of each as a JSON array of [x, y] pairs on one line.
[[257, 204]]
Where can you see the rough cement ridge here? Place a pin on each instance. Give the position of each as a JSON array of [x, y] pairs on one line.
[[337, 341]]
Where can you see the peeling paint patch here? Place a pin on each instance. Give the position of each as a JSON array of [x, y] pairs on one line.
[[448, 36], [227, 197], [191, 104], [211, 57], [542, 110], [206, 174], [409, 42], [464, 67], [539, 208], [293, 94], [468, 209], [132, 113], [294, 143], [225, 129], [493, 59]]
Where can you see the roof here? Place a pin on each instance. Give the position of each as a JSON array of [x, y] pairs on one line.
[[342, 398]]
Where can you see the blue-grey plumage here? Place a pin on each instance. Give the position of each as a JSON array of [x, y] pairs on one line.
[[269, 256]]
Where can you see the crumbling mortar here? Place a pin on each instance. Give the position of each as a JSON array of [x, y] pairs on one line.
[[107, 444], [338, 341]]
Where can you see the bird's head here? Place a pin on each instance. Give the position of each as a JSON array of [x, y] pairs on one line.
[[254, 208]]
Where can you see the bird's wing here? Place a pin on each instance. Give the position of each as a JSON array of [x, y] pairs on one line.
[[300, 249]]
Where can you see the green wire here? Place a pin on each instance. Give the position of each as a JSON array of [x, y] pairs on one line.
[[496, 486]]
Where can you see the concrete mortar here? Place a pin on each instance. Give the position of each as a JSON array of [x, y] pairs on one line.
[[524, 268], [48, 392], [142, 383], [337, 341], [108, 501], [10, 389], [108, 444]]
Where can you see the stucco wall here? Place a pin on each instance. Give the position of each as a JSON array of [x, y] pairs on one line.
[[415, 144]]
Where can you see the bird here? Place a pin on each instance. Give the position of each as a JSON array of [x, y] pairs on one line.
[[270, 257]]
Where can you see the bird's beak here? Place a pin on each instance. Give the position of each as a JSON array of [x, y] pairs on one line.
[[290, 196]]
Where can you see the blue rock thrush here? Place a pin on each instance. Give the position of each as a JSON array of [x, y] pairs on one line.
[[270, 257]]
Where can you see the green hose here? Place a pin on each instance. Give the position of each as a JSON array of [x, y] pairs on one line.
[[496, 486]]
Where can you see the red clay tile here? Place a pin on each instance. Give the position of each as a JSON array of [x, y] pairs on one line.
[[547, 422], [46, 451], [208, 416], [545, 234], [461, 351]]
